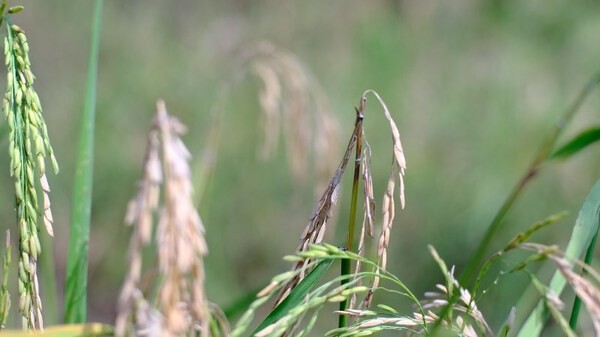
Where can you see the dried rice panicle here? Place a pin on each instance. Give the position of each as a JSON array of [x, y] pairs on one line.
[[182, 301], [293, 102], [294, 107], [180, 235], [140, 213], [388, 204]]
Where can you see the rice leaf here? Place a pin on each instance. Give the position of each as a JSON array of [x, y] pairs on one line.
[[77, 261], [586, 227], [296, 296], [578, 143]]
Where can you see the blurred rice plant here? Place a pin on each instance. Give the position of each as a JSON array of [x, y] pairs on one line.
[[182, 308], [294, 108]]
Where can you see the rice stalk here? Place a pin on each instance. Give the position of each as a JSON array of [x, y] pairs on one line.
[[181, 304], [314, 230], [345, 264], [29, 145], [369, 211]]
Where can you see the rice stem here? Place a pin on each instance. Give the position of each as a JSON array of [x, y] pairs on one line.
[[346, 263]]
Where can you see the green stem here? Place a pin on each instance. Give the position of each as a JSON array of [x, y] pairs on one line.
[[577, 302], [2, 8], [354, 201], [345, 270], [77, 263], [346, 265]]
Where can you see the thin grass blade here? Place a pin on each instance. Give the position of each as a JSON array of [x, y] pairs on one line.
[[578, 143], [77, 263]]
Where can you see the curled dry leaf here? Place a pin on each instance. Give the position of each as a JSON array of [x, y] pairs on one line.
[[315, 229]]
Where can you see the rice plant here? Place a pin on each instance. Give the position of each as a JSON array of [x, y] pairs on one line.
[[183, 307], [29, 146]]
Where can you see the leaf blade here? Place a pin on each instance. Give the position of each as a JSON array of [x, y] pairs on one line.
[[296, 296], [77, 262], [578, 143]]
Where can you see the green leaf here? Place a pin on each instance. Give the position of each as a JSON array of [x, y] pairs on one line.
[[297, 296], [77, 263], [578, 143], [586, 227], [508, 324]]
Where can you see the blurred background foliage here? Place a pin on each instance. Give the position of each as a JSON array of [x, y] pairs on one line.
[[473, 85]]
